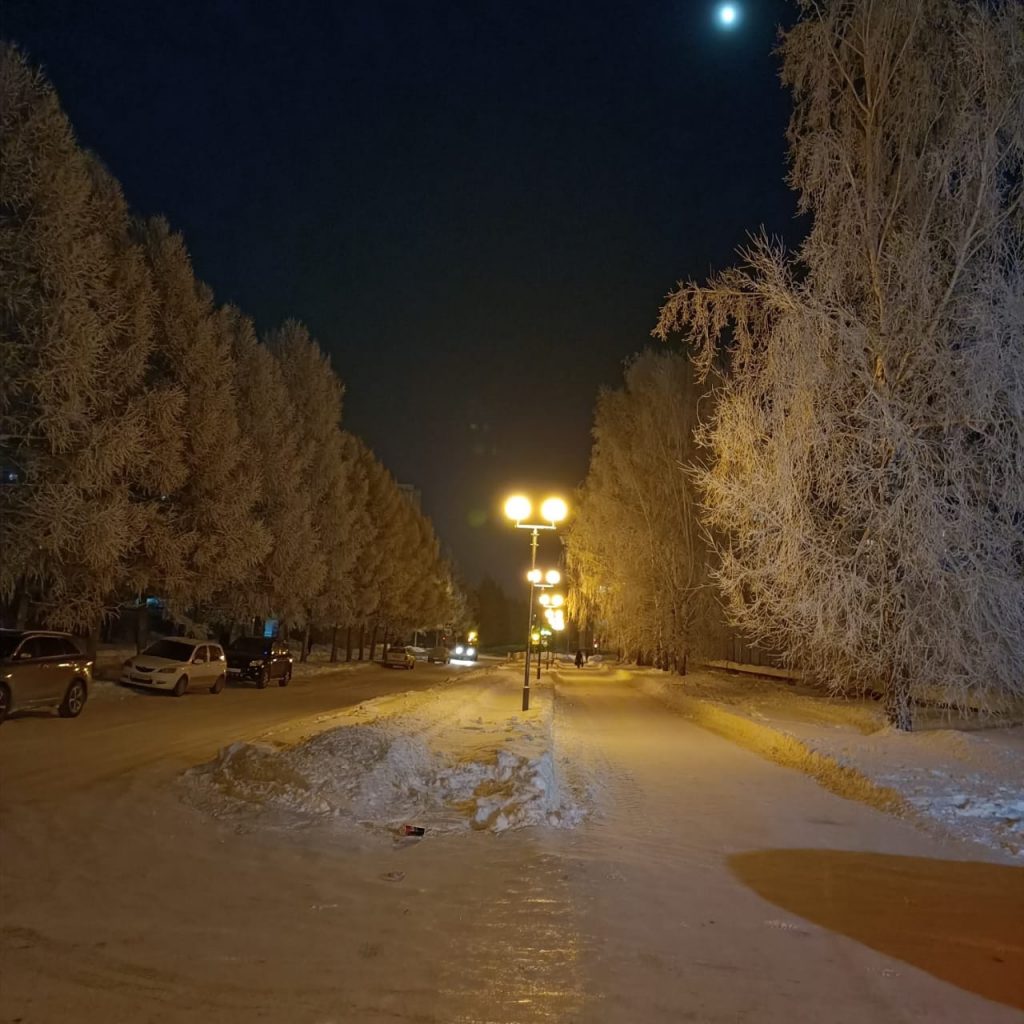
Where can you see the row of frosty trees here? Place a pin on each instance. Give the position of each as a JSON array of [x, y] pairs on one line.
[[836, 462], [153, 444]]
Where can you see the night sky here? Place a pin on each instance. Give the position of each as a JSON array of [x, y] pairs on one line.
[[476, 207]]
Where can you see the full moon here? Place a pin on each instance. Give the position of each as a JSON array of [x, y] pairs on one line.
[[728, 15]]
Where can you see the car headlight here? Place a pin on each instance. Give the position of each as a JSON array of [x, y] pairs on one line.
[[168, 671], [255, 664], [471, 651], [459, 649]]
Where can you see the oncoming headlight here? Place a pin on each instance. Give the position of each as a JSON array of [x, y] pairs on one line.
[[470, 651], [459, 649]]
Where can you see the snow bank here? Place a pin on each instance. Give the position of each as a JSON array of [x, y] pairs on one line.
[[967, 781], [435, 758]]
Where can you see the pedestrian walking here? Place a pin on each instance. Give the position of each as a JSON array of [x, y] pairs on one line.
[[579, 658]]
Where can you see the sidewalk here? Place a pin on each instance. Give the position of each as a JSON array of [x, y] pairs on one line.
[[962, 777]]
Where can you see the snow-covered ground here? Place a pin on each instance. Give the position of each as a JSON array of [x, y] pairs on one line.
[[699, 882], [965, 777], [454, 758]]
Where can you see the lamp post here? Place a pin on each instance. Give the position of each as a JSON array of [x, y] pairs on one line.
[[519, 508]]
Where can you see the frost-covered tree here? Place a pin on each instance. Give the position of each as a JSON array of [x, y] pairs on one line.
[[208, 536], [284, 584], [316, 395], [76, 308], [635, 556], [369, 476], [866, 465]]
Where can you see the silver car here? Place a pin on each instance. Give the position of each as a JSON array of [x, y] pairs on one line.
[[39, 669], [178, 664]]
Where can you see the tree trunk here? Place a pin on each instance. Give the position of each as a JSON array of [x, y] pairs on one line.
[[348, 643], [898, 706], [21, 605], [334, 644], [141, 626], [362, 639], [304, 656], [373, 642], [92, 640]]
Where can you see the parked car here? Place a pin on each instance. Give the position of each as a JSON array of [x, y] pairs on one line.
[[399, 657], [439, 655], [260, 659], [40, 668], [178, 663]]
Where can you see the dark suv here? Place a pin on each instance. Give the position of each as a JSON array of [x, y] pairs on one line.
[[259, 659], [39, 668]]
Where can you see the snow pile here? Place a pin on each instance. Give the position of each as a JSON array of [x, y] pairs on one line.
[[968, 781], [433, 760]]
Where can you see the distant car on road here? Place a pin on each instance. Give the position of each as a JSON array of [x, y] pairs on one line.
[[464, 652], [40, 668], [439, 655], [259, 659], [178, 664], [399, 657]]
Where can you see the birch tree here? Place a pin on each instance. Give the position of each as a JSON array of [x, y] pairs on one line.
[[866, 464]]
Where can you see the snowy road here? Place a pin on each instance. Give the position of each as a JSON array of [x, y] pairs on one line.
[[705, 884], [124, 730]]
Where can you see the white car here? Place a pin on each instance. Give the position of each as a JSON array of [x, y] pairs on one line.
[[178, 663], [399, 657]]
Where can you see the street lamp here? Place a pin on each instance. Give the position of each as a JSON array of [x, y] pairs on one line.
[[552, 605], [553, 510]]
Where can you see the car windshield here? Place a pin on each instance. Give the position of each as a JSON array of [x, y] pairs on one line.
[[173, 650], [251, 645], [8, 644]]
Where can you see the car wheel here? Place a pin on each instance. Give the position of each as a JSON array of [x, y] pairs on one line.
[[261, 679], [74, 700], [286, 678], [219, 685], [180, 687], [5, 701]]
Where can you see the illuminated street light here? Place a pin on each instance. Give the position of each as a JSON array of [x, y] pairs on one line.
[[553, 510], [518, 508]]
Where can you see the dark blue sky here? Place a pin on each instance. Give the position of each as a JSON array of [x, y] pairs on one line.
[[477, 207]]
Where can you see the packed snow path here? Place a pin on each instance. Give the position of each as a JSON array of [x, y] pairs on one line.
[[701, 883]]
